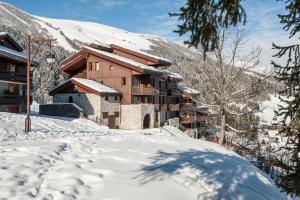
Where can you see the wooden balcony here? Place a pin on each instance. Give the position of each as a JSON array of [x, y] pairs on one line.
[[12, 76], [144, 91], [192, 119], [10, 99], [163, 107], [173, 107]]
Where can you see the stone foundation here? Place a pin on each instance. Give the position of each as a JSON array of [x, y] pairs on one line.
[[132, 116]]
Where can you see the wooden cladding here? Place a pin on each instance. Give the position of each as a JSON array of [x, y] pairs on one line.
[[144, 91]]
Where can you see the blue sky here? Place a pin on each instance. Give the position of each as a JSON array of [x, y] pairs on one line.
[[151, 17]]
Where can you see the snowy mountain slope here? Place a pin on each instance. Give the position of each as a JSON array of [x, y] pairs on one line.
[[89, 32], [71, 34], [63, 158]]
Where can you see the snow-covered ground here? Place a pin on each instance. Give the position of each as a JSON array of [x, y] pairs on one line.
[[64, 158]]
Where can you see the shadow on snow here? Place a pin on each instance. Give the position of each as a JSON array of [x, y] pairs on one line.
[[217, 175]]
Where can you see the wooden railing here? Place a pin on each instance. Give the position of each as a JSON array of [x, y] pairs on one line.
[[143, 90], [173, 107], [163, 107], [9, 99], [12, 76], [192, 119]]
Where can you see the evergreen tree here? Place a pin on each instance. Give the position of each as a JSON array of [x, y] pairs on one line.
[[289, 74], [204, 18]]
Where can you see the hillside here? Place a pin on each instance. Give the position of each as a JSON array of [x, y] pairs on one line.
[[65, 158]]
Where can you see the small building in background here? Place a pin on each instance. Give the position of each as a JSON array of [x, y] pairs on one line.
[[193, 114]]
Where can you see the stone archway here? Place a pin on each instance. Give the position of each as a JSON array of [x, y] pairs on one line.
[[146, 122]]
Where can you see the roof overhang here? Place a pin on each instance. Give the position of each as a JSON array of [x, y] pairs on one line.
[[71, 82], [5, 35], [118, 61], [15, 55], [148, 57]]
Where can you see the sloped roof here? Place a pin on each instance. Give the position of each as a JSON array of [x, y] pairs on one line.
[[134, 64], [11, 40], [16, 55], [182, 87], [142, 54], [90, 85], [172, 75]]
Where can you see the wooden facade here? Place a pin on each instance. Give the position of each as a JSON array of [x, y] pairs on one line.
[[12, 75]]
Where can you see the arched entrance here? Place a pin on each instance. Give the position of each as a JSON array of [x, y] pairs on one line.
[[146, 123]]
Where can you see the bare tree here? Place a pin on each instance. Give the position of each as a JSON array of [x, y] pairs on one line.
[[227, 78]]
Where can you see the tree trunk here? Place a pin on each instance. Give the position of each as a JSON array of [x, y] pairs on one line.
[[222, 134]]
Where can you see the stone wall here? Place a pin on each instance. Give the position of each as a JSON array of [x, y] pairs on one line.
[[132, 116], [112, 107], [94, 106], [90, 103], [174, 122], [62, 110]]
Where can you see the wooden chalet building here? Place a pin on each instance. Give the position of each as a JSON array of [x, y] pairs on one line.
[[120, 87], [12, 75]]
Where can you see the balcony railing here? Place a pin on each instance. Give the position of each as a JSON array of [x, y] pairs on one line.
[[9, 99], [163, 107], [192, 119], [12, 76], [173, 107], [144, 91]]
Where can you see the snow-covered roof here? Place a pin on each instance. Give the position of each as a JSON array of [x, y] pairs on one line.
[[143, 67], [3, 33], [183, 87], [10, 53], [143, 53], [93, 85], [172, 75]]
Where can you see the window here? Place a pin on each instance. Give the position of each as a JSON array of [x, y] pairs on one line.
[[11, 89], [12, 68], [136, 82], [90, 66], [97, 66], [105, 114], [106, 98], [123, 81], [70, 99], [116, 98]]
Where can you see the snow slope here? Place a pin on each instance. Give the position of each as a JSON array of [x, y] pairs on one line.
[[268, 109], [90, 32], [64, 158]]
